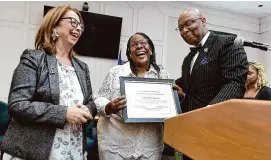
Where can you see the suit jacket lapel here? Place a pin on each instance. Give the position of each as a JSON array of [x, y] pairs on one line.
[[81, 76], [205, 49], [53, 77]]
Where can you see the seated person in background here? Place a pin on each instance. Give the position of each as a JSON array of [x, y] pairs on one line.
[[50, 98], [257, 84], [118, 141]]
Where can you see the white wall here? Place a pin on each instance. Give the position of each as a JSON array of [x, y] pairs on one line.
[[19, 22], [265, 37]]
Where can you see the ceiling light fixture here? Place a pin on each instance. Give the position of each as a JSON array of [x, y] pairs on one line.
[[260, 5]]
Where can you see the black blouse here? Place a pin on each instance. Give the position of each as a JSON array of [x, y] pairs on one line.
[[263, 94]]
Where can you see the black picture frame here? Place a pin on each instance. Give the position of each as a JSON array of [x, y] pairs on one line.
[[143, 80]]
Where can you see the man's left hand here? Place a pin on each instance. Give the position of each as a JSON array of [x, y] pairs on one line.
[[180, 91]]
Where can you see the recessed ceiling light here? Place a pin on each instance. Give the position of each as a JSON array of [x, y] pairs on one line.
[[260, 5]]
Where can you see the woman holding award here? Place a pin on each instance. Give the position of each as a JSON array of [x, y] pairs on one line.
[[118, 141]]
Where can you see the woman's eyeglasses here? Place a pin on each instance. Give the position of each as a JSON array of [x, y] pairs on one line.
[[75, 23], [142, 43]]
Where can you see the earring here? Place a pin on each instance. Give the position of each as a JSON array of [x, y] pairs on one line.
[[54, 35]]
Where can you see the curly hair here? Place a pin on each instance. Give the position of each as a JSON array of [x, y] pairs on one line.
[[152, 58], [261, 80]]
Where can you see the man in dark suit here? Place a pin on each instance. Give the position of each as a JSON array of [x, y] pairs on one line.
[[214, 71]]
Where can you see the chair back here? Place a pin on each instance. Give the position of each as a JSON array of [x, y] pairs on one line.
[[4, 118], [91, 134]]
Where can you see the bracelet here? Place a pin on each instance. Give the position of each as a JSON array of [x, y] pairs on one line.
[[183, 98]]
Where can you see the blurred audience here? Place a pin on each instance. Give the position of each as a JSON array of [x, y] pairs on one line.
[[257, 86]]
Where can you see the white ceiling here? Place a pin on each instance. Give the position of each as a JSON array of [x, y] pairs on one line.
[[247, 8]]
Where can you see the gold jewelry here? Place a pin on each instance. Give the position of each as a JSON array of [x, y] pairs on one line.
[[54, 35]]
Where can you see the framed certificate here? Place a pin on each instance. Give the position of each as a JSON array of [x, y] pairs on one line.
[[149, 100]]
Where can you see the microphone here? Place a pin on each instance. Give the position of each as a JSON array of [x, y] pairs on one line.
[[241, 41], [262, 44], [259, 43]]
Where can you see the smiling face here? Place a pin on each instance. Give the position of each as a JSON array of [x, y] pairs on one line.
[[69, 28], [192, 26], [140, 51]]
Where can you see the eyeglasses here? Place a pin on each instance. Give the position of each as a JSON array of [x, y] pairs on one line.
[[187, 24], [142, 43], [75, 23]]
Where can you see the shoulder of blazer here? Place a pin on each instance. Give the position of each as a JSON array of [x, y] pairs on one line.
[[264, 93], [265, 89], [226, 39], [35, 56]]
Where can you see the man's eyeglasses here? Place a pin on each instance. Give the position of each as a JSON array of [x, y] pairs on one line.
[[142, 43], [75, 23], [187, 24]]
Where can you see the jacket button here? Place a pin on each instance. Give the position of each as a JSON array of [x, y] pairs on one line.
[[18, 151]]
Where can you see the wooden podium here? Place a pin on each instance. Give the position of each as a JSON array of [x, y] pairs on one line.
[[231, 130]]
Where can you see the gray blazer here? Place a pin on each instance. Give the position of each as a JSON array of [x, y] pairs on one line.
[[33, 104]]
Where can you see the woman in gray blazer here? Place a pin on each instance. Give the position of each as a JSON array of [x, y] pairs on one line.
[[50, 98]]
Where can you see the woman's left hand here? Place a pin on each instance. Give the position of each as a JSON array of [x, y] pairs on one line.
[[84, 108]]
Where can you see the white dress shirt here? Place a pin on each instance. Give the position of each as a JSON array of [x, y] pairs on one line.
[[128, 140], [202, 42]]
